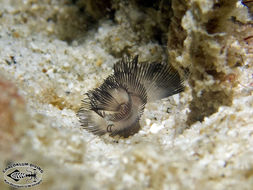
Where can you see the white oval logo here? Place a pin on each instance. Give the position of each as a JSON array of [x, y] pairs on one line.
[[22, 175]]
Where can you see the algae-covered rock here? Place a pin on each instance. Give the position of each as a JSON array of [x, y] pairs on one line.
[[211, 43]]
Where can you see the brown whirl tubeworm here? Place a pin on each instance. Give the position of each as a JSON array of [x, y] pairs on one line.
[[117, 105]]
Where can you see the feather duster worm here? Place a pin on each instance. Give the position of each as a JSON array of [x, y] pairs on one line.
[[117, 105]]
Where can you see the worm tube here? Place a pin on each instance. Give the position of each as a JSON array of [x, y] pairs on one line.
[[117, 105]]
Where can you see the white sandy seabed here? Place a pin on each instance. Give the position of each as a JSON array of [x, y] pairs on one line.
[[52, 75]]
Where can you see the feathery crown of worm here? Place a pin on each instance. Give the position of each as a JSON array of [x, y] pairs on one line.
[[117, 105]]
